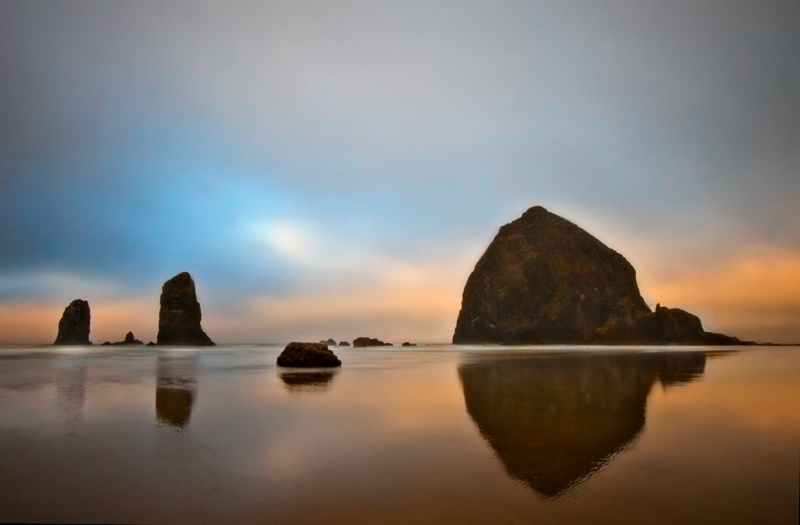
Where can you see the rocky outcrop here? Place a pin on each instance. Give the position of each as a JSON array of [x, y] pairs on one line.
[[545, 280], [408, 344], [179, 317], [129, 340], [328, 342], [344, 343], [362, 342], [73, 328], [308, 355]]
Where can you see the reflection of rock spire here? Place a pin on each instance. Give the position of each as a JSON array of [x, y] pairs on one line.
[[554, 420], [176, 389], [71, 387]]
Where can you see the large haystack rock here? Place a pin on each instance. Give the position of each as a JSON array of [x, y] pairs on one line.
[[73, 328], [545, 280], [179, 318]]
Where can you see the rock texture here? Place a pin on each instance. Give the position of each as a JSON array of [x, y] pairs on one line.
[[179, 317], [361, 342], [308, 355], [545, 280], [73, 328]]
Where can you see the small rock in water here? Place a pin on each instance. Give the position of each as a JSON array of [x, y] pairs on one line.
[[308, 355], [361, 342]]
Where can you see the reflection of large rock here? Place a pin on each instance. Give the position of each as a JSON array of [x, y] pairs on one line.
[[554, 420], [175, 389], [545, 280], [73, 328], [179, 317]]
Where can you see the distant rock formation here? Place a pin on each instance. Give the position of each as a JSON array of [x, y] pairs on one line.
[[329, 342], [545, 280], [73, 328], [361, 342], [408, 344], [555, 420], [129, 340], [344, 343], [308, 355], [179, 318]]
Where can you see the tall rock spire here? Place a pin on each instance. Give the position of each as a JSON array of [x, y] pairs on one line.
[[179, 317]]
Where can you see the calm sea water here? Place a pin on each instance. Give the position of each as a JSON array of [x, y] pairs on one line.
[[435, 434]]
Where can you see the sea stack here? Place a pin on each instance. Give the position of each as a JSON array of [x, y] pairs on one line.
[[544, 280], [179, 317], [73, 328]]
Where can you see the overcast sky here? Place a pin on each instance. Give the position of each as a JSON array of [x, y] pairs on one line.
[[335, 169]]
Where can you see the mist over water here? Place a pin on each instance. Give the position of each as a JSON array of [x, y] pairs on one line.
[[433, 434]]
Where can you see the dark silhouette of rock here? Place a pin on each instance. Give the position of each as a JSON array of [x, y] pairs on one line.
[[308, 355], [179, 317], [361, 342], [344, 343], [556, 420], [129, 340], [151, 343], [408, 344], [545, 280], [73, 328], [329, 342]]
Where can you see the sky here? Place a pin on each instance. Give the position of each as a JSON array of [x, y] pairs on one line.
[[336, 168]]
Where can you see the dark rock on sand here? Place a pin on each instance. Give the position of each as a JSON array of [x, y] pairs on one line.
[[179, 318], [73, 328], [361, 342], [311, 355], [545, 280]]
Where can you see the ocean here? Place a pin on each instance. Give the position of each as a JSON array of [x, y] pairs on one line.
[[429, 434]]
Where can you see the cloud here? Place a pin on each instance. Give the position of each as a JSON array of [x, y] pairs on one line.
[[754, 294], [274, 148]]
